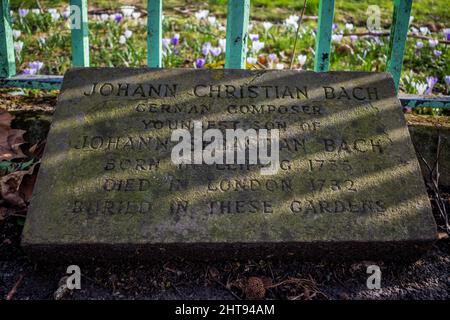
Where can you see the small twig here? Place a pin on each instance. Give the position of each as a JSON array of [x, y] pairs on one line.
[[261, 65], [15, 287], [228, 289], [434, 182], [296, 34], [178, 291]]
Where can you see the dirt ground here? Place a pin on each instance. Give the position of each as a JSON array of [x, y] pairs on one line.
[[427, 278], [20, 278]]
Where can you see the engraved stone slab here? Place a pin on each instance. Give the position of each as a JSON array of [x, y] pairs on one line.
[[348, 182]]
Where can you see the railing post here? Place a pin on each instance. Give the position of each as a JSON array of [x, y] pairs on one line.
[[399, 33], [79, 33], [7, 58], [323, 37], [154, 33], [237, 33]]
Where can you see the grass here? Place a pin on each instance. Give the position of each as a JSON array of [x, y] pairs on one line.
[[434, 13]]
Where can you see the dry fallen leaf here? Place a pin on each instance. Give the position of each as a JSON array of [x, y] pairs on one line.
[[16, 188], [3, 213], [37, 149], [10, 139]]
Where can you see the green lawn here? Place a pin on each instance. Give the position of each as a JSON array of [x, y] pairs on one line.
[[434, 13]]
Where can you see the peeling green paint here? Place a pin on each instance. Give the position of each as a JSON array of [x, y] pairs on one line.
[[7, 59], [237, 34], [80, 33], [154, 33], [397, 40], [323, 38]]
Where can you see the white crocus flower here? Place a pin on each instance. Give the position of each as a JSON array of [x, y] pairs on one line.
[[16, 33], [279, 66], [301, 59], [122, 39], [336, 38], [424, 30], [212, 20], [433, 43], [222, 43], [55, 16], [267, 25], [127, 11], [349, 26], [257, 46], [136, 15], [201, 14], [251, 60], [420, 87], [414, 30], [128, 33], [18, 46], [36, 11], [291, 22]]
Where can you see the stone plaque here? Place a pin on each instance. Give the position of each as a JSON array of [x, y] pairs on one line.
[[346, 183]]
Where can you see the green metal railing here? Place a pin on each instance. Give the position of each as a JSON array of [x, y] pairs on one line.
[[237, 22]]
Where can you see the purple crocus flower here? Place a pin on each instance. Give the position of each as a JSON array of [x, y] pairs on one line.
[[353, 38], [37, 65], [165, 43], [376, 39], [431, 81], [200, 63], [175, 39], [29, 71], [437, 53], [447, 80], [419, 44], [206, 48], [334, 27], [215, 51], [66, 13], [118, 17], [271, 57], [447, 34], [254, 36], [23, 12]]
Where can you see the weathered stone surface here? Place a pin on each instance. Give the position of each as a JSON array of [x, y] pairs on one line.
[[349, 183], [425, 132]]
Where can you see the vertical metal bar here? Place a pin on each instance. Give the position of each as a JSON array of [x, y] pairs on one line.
[[323, 37], [7, 58], [237, 33], [154, 33], [80, 33], [399, 33]]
